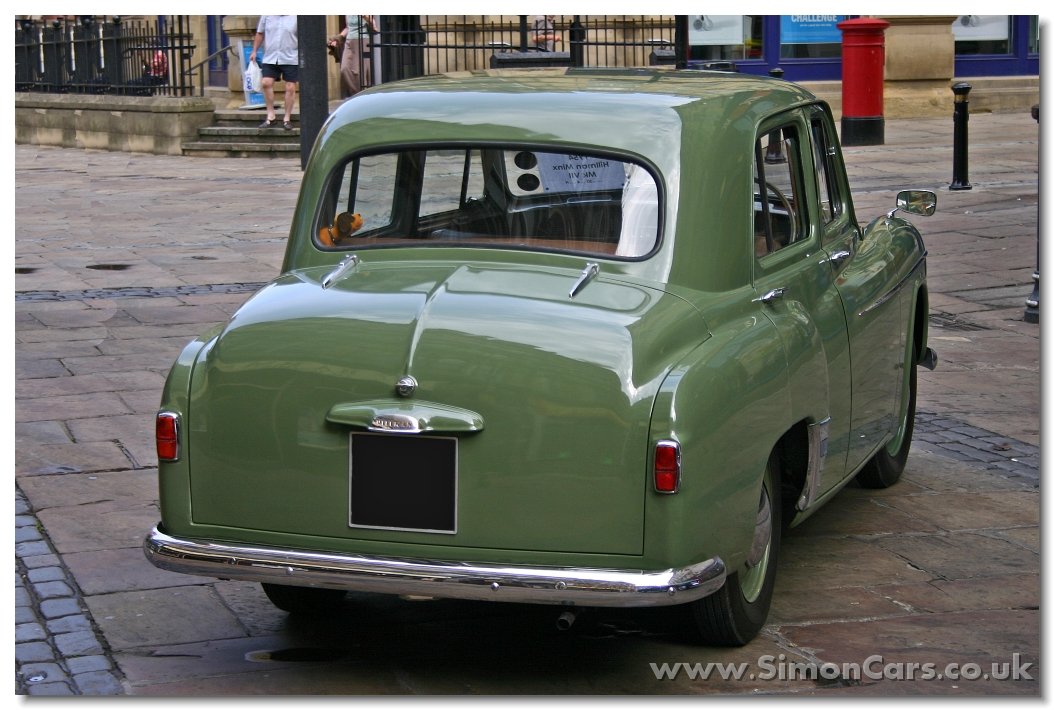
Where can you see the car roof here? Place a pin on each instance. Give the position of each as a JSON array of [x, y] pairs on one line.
[[617, 108], [682, 83]]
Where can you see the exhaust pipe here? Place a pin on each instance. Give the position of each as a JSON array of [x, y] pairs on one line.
[[565, 620]]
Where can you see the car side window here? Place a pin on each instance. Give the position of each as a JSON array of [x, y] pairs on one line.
[[778, 197], [827, 187]]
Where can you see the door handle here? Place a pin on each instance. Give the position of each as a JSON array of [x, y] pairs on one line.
[[840, 256], [770, 296]]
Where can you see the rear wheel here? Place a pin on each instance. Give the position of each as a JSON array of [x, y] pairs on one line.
[[303, 600], [885, 467], [734, 614]]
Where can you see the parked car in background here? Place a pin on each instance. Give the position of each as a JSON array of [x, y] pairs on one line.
[[573, 337]]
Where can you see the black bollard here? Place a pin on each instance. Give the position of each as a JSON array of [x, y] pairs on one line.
[[1032, 302], [961, 148], [774, 151]]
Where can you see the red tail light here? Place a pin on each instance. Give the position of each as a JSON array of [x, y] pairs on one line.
[[667, 467], [167, 436]]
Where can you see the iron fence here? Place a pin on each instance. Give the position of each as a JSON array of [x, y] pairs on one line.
[[86, 56], [409, 46], [153, 57]]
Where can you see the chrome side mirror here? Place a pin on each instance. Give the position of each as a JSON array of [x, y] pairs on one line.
[[920, 202]]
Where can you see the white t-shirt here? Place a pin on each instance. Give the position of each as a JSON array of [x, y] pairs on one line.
[[279, 42]]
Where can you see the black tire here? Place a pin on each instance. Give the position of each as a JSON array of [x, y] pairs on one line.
[[885, 467], [733, 615], [304, 601]]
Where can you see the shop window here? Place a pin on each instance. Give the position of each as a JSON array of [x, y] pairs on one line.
[[982, 34], [729, 37]]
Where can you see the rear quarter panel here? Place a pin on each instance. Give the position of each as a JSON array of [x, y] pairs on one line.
[[726, 403]]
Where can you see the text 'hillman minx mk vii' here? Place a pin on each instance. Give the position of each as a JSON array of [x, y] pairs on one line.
[[572, 337]]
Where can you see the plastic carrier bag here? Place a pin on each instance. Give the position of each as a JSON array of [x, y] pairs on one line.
[[253, 78]]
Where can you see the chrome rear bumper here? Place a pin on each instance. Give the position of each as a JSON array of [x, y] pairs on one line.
[[436, 578]]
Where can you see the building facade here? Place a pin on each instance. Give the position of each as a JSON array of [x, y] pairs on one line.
[[924, 54]]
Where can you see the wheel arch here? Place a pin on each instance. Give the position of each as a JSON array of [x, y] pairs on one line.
[[792, 452], [920, 326]]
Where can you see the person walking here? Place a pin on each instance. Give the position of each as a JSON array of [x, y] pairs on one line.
[[356, 27], [281, 60]]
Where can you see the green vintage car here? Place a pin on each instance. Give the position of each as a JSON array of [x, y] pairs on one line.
[[570, 337]]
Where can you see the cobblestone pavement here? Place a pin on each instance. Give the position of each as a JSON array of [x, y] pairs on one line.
[[120, 259], [57, 647]]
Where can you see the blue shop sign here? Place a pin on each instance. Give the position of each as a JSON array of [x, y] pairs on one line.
[[810, 29]]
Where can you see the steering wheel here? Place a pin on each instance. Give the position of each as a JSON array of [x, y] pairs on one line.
[[772, 240], [784, 202]]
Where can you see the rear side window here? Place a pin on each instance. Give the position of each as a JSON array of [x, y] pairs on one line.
[[510, 197]]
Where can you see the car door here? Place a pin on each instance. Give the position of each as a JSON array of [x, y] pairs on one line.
[[861, 271], [796, 288]]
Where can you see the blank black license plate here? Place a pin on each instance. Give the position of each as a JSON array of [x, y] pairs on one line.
[[403, 482]]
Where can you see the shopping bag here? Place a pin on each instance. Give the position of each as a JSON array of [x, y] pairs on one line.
[[253, 78]]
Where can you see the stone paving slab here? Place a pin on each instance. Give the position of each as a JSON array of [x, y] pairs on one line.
[[154, 617], [122, 570], [971, 511], [992, 591], [963, 556], [992, 637], [98, 527]]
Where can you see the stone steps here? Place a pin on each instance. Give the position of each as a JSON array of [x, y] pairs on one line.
[[235, 133]]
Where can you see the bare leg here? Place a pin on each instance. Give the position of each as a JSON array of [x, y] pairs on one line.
[[268, 92], [290, 100]]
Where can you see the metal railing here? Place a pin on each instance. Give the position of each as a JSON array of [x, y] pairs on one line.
[[86, 56], [145, 57], [201, 66], [417, 45]]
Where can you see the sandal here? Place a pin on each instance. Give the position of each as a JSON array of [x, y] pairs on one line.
[[269, 123], [287, 125]]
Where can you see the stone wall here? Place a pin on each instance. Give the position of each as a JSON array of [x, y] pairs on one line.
[[147, 124]]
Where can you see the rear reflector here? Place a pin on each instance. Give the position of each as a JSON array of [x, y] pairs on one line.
[[667, 467], [167, 436]]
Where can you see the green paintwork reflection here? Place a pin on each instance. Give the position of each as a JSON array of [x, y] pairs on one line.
[[546, 373]]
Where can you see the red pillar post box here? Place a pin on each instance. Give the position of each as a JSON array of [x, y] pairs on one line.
[[863, 72]]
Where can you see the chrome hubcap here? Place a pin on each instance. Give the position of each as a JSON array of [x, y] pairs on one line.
[[752, 580], [762, 533]]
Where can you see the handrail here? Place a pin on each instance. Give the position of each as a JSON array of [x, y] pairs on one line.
[[212, 56], [200, 66]]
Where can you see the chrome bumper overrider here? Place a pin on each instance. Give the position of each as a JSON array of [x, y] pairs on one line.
[[435, 578]]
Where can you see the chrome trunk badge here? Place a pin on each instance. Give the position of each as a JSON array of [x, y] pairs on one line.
[[406, 386], [400, 423]]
